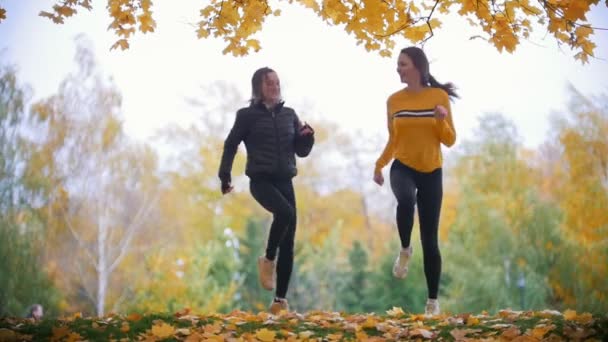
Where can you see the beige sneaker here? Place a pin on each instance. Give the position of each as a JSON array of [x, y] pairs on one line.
[[266, 271], [432, 307], [278, 305], [400, 267]]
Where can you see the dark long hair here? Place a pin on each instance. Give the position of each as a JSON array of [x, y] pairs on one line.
[[256, 84], [421, 63]]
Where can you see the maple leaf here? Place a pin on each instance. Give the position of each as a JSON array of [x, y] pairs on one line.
[[2, 14], [73, 337], [511, 333], [422, 332], [265, 335], [162, 330], [541, 330], [395, 311], [59, 333], [134, 317], [65, 11], [122, 43]]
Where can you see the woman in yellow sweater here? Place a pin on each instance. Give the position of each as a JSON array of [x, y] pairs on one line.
[[419, 121]]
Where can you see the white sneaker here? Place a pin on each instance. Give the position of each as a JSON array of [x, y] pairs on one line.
[[432, 307], [400, 267]]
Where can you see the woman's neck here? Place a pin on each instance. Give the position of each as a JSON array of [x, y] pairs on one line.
[[270, 103], [415, 88]]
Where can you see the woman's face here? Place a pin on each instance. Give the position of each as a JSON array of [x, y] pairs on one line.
[[407, 71], [271, 88]]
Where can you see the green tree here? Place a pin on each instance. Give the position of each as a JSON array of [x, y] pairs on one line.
[[23, 279]]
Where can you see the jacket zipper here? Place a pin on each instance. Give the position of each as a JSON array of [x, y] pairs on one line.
[[276, 137]]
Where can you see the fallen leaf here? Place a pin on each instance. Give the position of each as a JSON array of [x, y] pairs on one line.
[[540, 331], [265, 335], [305, 334], [60, 333], [395, 311], [134, 317], [7, 335], [163, 330], [511, 332], [422, 332]]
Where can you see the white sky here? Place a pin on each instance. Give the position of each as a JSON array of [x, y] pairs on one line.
[[317, 64]]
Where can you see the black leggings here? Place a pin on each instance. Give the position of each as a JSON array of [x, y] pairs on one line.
[[277, 196], [412, 187]]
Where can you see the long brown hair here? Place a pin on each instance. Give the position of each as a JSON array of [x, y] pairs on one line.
[[256, 84], [421, 63]]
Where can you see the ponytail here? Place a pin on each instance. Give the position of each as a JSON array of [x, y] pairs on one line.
[[448, 87]]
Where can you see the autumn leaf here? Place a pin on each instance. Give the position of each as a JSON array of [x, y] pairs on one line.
[[541, 330], [2, 14], [265, 335], [122, 43], [511, 332], [460, 334], [422, 332], [65, 11], [162, 330], [395, 311], [74, 337], [134, 317], [7, 335], [59, 333]]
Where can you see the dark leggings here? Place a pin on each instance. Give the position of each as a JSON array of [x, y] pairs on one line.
[[412, 187], [277, 196]]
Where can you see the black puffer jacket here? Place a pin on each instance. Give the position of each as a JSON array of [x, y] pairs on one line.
[[272, 140]]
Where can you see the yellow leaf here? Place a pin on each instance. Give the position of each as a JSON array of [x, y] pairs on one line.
[[576, 10], [65, 11], [416, 33], [540, 331], [276, 12], [570, 315], [435, 23], [60, 333], [134, 317], [265, 335], [305, 334], [334, 337], [125, 327], [146, 23], [202, 33], [122, 43], [395, 311], [472, 320], [583, 32], [163, 330], [183, 331], [511, 333], [73, 337], [422, 332], [253, 44]]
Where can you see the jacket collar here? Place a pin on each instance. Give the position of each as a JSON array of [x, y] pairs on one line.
[[261, 105]]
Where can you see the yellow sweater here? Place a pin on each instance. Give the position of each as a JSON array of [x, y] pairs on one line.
[[414, 133]]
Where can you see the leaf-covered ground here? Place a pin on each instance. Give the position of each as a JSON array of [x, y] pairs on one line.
[[313, 326]]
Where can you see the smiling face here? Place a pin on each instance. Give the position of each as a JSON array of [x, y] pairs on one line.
[[271, 88], [407, 70]]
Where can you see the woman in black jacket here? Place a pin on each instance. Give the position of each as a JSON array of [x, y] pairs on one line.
[[273, 136]]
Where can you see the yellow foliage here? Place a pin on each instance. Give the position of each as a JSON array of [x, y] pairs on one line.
[[374, 24]]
